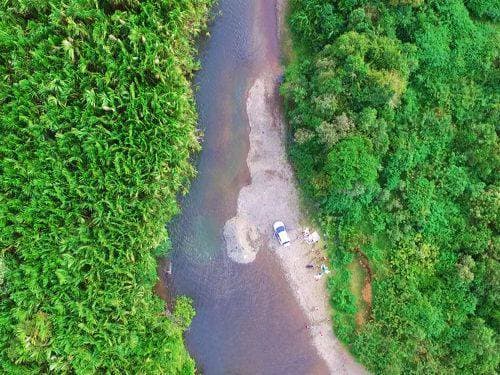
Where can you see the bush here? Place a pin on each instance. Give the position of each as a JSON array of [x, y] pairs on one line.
[[97, 128]]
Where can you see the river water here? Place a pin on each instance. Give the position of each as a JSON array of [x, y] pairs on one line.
[[248, 320]]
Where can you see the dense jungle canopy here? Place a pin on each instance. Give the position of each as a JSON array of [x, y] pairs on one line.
[[394, 112], [97, 124]]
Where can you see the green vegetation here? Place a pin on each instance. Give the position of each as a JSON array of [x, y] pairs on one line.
[[393, 108], [97, 125]]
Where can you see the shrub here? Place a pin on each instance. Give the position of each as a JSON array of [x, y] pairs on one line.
[[97, 129]]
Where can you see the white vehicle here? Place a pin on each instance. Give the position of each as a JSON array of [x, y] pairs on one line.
[[281, 234]]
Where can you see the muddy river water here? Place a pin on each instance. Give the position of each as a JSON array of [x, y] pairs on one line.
[[248, 320]]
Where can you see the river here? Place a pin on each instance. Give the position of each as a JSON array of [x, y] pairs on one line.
[[248, 320]]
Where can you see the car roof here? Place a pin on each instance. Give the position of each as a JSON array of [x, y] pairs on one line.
[[278, 224]]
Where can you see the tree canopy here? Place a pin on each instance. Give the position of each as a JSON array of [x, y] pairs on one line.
[[393, 108]]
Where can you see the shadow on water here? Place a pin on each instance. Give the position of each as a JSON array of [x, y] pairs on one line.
[[248, 321]]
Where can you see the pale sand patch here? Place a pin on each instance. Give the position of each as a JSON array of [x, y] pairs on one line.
[[243, 239], [272, 195]]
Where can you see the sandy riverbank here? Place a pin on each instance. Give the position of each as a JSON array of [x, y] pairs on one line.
[[272, 195]]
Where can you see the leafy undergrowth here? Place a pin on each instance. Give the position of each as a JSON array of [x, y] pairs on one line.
[[393, 109], [97, 125]]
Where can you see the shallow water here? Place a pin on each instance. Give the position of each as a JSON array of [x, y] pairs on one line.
[[248, 321]]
